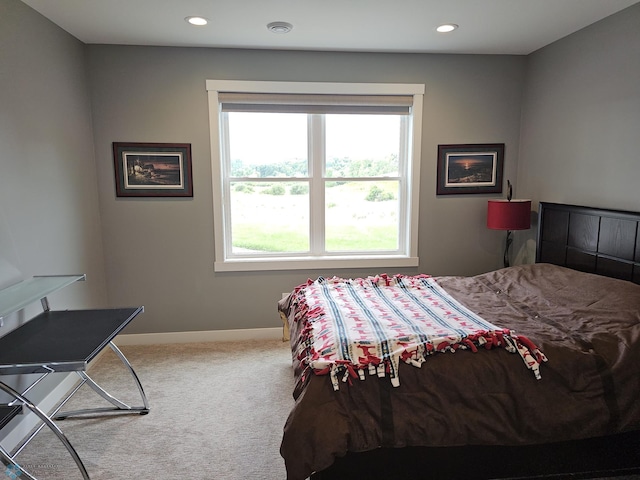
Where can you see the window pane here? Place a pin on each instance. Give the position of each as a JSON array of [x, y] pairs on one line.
[[269, 217], [361, 216], [268, 144], [362, 145]]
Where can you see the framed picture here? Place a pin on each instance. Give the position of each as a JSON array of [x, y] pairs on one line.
[[153, 169], [470, 168]]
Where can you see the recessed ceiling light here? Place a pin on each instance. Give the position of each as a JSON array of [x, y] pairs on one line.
[[447, 27], [199, 21], [280, 27]]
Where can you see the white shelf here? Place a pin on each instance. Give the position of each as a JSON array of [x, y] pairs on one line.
[[18, 296]]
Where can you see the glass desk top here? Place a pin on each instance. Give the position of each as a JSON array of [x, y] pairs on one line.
[[18, 296]]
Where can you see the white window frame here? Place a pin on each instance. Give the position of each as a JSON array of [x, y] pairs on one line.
[[226, 262]]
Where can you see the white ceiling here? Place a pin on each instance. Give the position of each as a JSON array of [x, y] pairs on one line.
[[486, 26]]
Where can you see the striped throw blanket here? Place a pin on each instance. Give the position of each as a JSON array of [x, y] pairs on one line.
[[372, 324]]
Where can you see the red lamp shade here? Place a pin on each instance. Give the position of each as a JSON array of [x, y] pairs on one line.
[[509, 215]]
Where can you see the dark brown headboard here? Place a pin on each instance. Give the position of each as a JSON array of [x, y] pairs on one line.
[[594, 240]]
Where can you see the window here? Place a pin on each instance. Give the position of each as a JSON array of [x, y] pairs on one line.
[[314, 175]]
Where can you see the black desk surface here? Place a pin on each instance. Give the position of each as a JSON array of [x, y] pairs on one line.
[[7, 413], [63, 341]]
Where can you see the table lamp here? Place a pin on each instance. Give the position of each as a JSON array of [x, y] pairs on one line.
[[508, 215]]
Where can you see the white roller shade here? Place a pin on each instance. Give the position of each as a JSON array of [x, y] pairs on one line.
[[315, 103]]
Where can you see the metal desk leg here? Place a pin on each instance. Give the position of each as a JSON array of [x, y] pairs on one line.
[[49, 423], [133, 374], [119, 406]]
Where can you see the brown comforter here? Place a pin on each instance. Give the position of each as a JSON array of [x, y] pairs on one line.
[[588, 327]]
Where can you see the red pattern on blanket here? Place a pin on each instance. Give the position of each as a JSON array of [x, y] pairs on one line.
[[371, 324]]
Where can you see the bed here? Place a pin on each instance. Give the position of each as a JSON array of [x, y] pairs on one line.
[[542, 376]]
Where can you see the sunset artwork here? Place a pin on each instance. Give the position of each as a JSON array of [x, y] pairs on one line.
[[145, 169], [153, 169], [471, 169]]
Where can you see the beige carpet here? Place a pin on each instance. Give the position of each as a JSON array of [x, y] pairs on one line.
[[217, 413]]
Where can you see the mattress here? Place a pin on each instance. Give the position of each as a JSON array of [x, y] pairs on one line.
[[586, 326]]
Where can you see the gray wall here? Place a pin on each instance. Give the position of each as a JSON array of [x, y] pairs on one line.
[[581, 117], [578, 101], [49, 214], [159, 252], [581, 120]]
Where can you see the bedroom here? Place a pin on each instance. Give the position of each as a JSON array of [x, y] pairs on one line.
[[568, 113]]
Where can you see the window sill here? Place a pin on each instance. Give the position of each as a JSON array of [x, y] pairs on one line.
[[288, 263]]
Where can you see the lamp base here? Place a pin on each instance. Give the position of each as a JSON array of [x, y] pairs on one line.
[[508, 242]]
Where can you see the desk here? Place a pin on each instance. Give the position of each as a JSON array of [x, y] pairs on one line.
[[64, 341], [54, 342]]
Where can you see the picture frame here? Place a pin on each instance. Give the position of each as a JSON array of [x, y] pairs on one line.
[[152, 169], [470, 168]]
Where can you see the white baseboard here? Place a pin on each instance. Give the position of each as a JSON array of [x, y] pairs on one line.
[[200, 336]]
